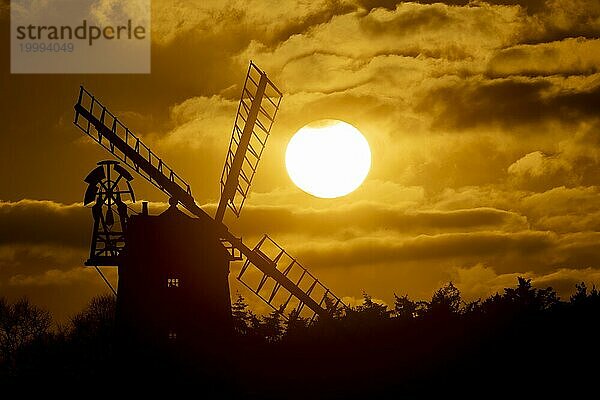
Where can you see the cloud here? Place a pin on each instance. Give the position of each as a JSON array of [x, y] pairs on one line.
[[547, 20], [409, 30], [561, 200], [371, 191], [579, 249], [477, 103], [360, 218], [560, 209], [572, 56], [105, 12], [564, 280], [64, 292], [407, 21], [463, 247], [51, 276], [575, 162], [539, 171], [202, 122], [560, 19], [44, 222], [270, 23], [54, 277], [19, 259], [447, 161], [480, 281]]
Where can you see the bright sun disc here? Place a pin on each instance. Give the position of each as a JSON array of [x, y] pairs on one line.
[[328, 158]]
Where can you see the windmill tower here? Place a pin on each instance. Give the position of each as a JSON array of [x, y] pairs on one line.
[[173, 268]]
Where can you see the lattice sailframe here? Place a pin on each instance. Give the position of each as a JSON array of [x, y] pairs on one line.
[[275, 295], [257, 89]]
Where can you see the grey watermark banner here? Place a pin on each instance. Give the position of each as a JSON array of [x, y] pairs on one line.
[[80, 36]]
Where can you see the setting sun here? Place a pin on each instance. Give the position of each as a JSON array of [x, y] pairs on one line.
[[328, 158]]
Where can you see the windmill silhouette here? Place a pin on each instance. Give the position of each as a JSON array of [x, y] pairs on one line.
[[173, 268]]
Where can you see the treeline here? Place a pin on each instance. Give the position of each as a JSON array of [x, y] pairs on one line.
[[32, 348], [522, 337], [445, 305], [523, 341]]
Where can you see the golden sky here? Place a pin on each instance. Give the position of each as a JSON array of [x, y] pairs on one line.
[[482, 118]]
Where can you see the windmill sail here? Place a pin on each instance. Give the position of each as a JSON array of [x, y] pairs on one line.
[[104, 128], [93, 119], [274, 294], [255, 116]]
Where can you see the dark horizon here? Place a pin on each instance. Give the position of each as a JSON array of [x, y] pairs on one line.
[[514, 343]]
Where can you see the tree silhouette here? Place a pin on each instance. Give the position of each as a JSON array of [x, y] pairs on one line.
[[445, 301], [91, 334], [336, 312], [295, 326], [404, 308], [581, 295], [271, 328], [367, 317], [240, 315], [96, 320], [21, 323], [526, 298], [371, 309]]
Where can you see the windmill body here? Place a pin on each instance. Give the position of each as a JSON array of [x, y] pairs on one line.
[[173, 284]]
